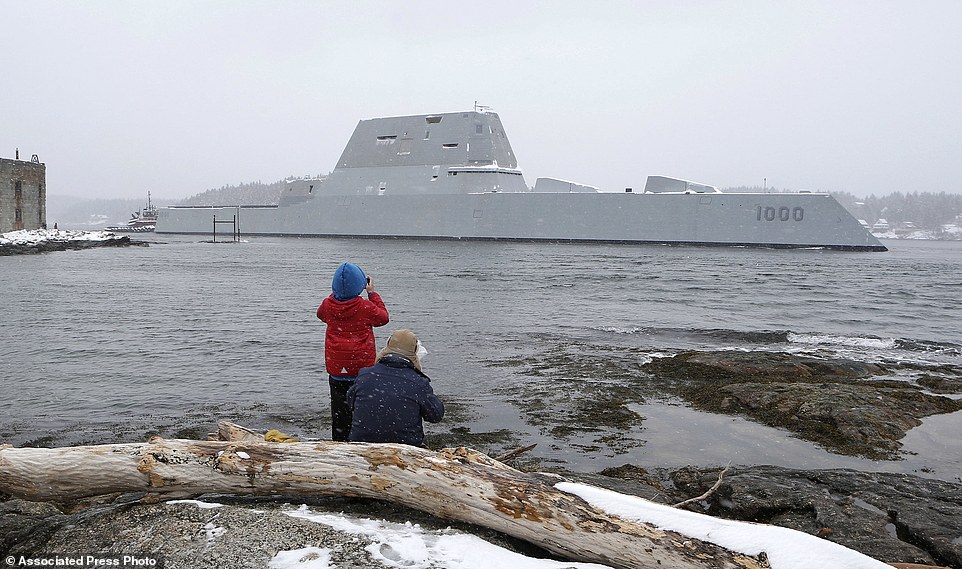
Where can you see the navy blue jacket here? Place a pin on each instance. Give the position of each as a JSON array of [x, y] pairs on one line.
[[389, 401]]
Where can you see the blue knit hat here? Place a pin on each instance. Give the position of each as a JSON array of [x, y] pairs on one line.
[[349, 281]]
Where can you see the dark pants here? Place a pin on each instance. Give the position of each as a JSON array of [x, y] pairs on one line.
[[341, 413]]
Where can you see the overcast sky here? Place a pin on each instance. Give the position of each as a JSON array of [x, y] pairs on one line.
[[122, 97]]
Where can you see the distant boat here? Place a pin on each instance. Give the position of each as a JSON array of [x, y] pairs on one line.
[[142, 221]]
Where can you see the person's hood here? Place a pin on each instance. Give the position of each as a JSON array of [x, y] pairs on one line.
[[349, 281], [403, 343]]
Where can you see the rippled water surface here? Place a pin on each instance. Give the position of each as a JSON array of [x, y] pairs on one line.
[[111, 345]]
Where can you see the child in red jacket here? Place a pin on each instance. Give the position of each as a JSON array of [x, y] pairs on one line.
[[349, 341]]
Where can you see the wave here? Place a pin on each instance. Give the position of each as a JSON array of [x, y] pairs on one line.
[[714, 334], [873, 342], [814, 338], [616, 330], [791, 340], [927, 346]]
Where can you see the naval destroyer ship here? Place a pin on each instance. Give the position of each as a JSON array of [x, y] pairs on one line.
[[455, 176]]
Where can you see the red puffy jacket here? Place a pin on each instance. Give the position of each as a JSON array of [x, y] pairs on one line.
[[349, 341]]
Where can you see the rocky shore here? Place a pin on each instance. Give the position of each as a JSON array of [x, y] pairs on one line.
[[836, 403], [47, 240], [847, 407], [891, 517]]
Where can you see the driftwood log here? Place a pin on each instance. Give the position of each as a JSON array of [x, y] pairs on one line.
[[457, 484]]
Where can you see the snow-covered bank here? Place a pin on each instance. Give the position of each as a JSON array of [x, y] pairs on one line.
[[785, 548], [947, 232], [43, 240], [409, 545]]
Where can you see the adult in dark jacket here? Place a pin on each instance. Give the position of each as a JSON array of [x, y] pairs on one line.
[[390, 399], [349, 340]]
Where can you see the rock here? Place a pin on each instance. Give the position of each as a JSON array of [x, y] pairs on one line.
[[730, 366], [22, 521], [891, 517], [183, 535], [941, 384], [857, 419], [829, 402], [45, 242], [241, 533]]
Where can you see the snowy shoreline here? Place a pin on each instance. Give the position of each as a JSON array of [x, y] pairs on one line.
[[32, 241]]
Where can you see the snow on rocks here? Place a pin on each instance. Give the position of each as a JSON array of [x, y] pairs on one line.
[[43, 240]]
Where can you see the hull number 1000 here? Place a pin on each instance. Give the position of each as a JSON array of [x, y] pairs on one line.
[[783, 213]]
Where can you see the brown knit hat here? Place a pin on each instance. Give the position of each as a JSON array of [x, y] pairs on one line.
[[403, 343]]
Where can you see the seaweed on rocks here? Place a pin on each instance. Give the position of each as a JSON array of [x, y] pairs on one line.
[[831, 402], [571, 391], [848, 407]]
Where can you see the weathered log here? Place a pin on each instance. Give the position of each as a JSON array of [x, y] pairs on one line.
[[457, 484]]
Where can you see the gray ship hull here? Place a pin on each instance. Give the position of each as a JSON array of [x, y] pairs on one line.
[[455, 176], [758, 220]]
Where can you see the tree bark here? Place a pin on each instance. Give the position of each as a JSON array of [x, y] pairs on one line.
[[457, 484]]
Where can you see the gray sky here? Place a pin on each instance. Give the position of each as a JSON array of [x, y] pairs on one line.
[[121, 97]]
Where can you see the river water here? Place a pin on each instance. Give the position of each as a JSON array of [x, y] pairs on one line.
[[116, 345]]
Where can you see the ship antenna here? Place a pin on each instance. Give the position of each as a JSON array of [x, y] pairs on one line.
[[481, 108]]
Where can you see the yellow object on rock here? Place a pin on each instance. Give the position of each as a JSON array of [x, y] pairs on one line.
[[275, 436]]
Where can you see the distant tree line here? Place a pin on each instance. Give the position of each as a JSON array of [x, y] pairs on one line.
[[251, 193], [927, 210]]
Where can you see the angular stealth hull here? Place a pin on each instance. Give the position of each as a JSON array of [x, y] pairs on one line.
[[454, 176]]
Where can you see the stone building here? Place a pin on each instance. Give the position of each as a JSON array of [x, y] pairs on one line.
[[23, 194]]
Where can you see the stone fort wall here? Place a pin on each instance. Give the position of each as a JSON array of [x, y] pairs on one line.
[[23, 194]]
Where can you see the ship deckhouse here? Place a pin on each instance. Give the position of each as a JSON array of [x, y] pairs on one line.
[[448, 153]]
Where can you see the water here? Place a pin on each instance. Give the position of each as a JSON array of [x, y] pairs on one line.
[[112, 345]]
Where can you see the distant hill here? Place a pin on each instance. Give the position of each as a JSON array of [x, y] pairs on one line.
[[252, 193]]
